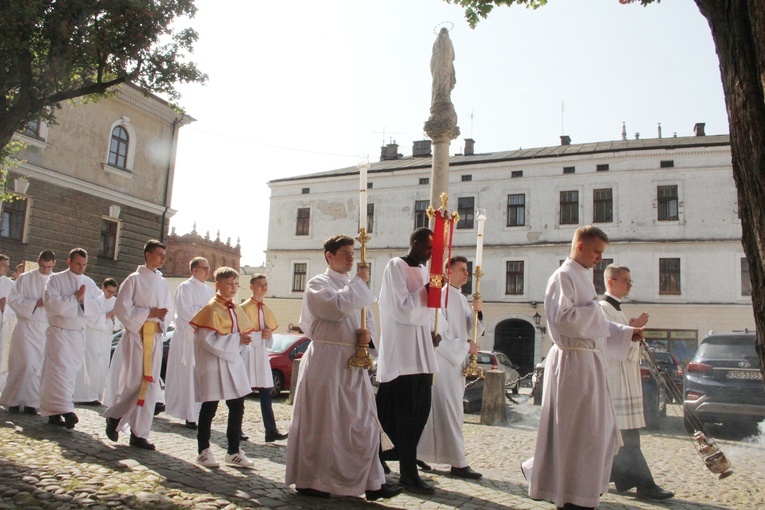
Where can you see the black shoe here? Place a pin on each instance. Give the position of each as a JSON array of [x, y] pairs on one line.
[[14, 409], [307, 491], [656, 493], [30, 410], [417, 485], [159, 407], [424, 465], [384, 492], [71, 419], [243, 436], [139, 442], [111, 429], [466, 472], [275, 436], [386, 468], [191, 425], [56, 420]]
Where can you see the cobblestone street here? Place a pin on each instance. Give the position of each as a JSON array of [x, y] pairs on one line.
[[42, 466]]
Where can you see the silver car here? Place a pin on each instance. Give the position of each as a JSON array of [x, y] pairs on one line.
[[488, 360]]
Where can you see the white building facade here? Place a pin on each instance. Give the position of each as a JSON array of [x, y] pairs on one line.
[[669, 206]]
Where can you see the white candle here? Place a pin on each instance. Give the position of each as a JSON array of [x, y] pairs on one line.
[[362, 196], [479, 241]]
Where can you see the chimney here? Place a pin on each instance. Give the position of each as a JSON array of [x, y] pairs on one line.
[[389, 152], [565, 140], [659, 129], [469, 147], [421, 148], [698, 129], [637, 135], [624, 131]]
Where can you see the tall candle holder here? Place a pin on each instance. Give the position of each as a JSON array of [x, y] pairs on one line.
[[473, 370], [362, 359]]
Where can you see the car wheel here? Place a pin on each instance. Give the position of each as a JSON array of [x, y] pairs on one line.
[[517, 388], [278, 384]]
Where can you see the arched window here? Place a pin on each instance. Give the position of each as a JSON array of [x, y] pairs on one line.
[[118, 148]]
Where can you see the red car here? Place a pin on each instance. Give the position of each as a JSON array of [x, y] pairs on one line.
[[284, 350]]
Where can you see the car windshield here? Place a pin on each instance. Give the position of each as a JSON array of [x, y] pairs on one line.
[[483, 358], [664, 357], [282, 343], [728, 348]]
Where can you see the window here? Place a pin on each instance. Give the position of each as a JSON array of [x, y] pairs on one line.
[[666, 197], [420, 215], [466, 210], [299, 271], [32, 128], [13, 219], [516, 173], [602, 206], [466, 178], [602, 168], [598, 278], [514, 277], [370, 185], [667, 164], [305, 191], [370, 218], [118, 148], [303, 221], [424, 180], [569, 169], [107, 246], [669, 277], [569, 207], [516, 210], [746, 280]]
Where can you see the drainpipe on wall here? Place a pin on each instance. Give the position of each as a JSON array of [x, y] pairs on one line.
[[170, 166]]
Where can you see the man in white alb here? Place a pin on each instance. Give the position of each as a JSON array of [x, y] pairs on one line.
[[6, 284]]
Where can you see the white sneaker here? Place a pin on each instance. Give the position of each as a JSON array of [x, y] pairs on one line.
[[239, 460], [206, 459]]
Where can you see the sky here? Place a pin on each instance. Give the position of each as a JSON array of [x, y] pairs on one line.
[[307, 86]]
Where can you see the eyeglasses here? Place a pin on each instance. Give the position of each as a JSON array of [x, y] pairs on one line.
[[628, 282], [204, 268]]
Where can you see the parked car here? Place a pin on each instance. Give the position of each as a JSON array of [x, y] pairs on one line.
[[723, 382], [654, 397], [486, 360], [284, 350], [167, 338], [672, 372]]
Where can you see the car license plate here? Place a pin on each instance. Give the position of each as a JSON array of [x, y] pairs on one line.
[[744, 374]]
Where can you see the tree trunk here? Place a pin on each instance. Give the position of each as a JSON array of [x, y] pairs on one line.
[[738, 30]]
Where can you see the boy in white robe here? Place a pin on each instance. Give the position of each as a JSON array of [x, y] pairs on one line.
[[25, 357], [223, 329], [256, 353], [577, 436], [191, 296], [442, 441], [70, 299], [6, 284], [99, 330], [407, 359], [335, 436], [143, 306]]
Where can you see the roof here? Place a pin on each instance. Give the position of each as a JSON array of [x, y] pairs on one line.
[[557, 151]]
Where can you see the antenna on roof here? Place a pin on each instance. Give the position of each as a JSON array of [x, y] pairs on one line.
[[562, 111], [385, 132]]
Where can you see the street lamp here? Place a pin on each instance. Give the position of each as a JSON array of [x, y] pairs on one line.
[[537, 319]]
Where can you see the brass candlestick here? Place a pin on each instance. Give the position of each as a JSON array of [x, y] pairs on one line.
[[473, 370], [362, 359]]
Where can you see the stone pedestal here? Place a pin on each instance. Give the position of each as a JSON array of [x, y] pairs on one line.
[[494, 408]]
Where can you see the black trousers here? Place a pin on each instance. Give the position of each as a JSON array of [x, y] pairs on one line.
[[233, 429], [403, 406], [630, 468]]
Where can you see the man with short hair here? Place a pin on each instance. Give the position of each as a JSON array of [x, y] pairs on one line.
[[630, 468], [190, 297], [143, 306], [99, 330], [25, 357], [335, 434], [256, 353], [70, 298], [442, 441], [577, 436], [407, 360]]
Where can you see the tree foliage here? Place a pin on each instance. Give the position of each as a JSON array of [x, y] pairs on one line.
[[55, 50]]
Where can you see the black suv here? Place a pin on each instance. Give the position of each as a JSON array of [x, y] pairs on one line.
[[723, 382]]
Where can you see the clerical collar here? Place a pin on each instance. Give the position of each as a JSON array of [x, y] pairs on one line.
[[613, 301], [227, 303], [410, 261]]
